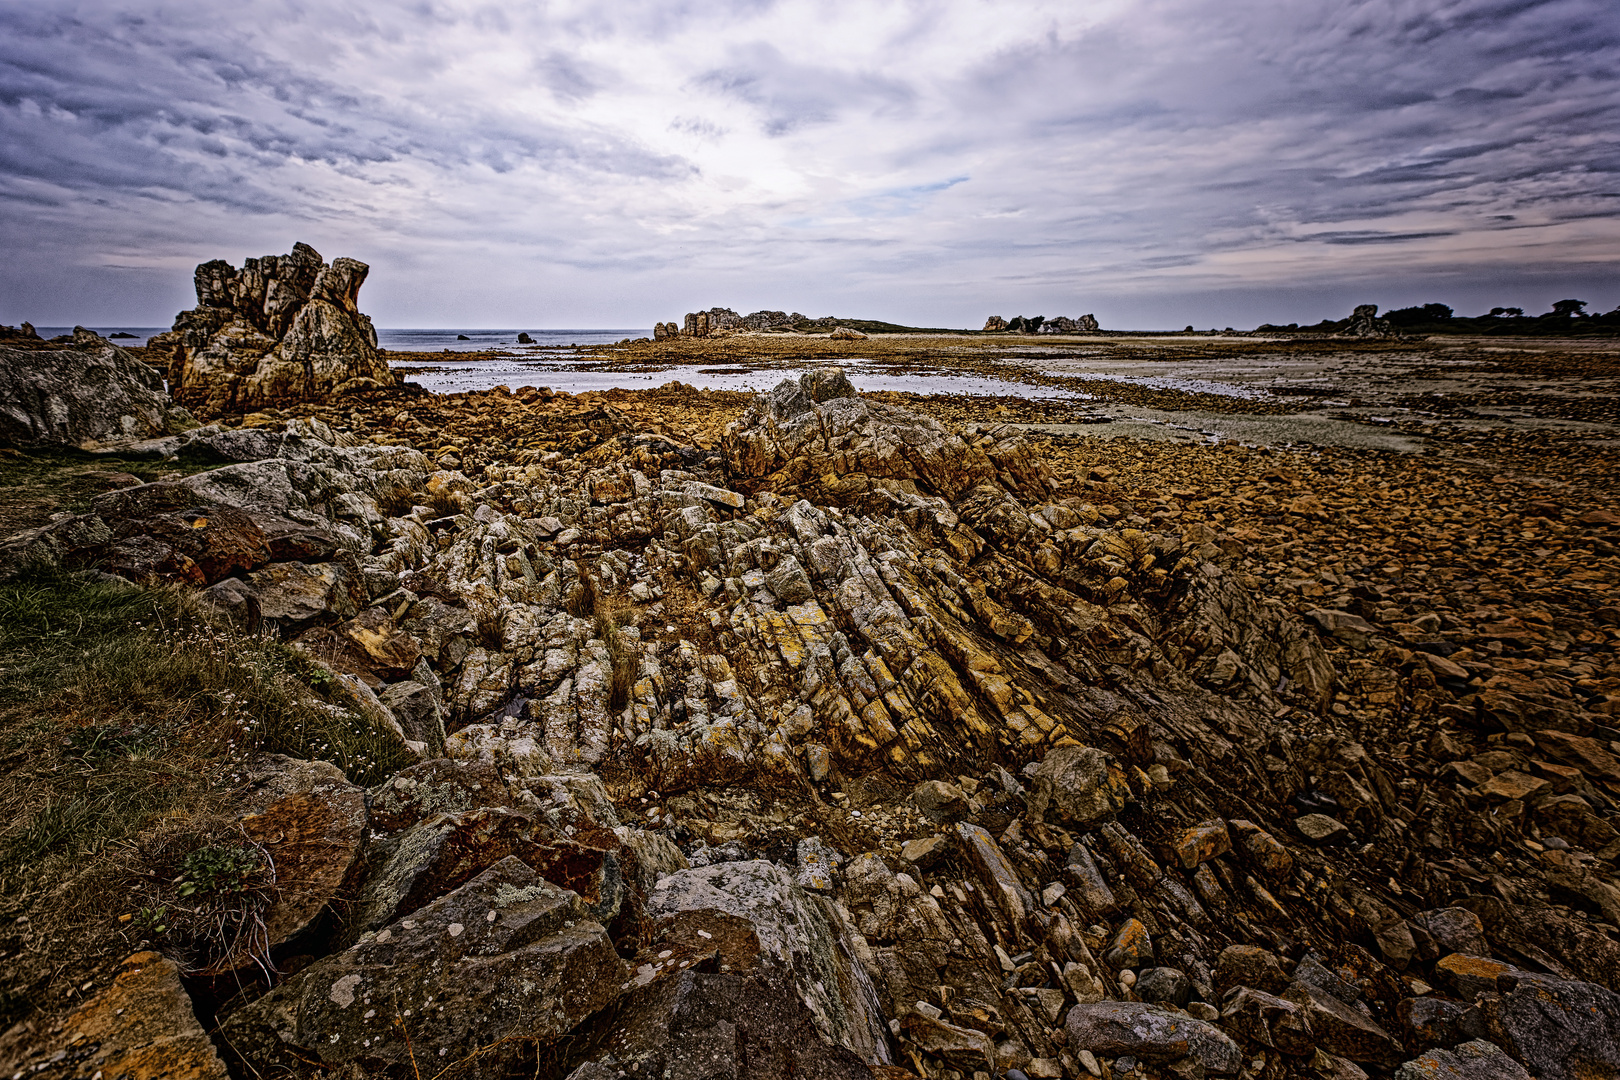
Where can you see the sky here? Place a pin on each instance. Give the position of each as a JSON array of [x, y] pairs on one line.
[[586, 164]]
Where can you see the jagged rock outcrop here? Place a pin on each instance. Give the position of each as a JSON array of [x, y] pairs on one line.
[[282, 329], [995, 322], [719, 320], [820, 430], [1365, 323], [1062, 324], [87, 395]]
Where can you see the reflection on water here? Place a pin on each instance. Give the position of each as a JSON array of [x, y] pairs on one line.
[[449, 377]]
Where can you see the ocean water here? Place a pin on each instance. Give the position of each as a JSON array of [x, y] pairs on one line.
[[548, 362], [481, 340], [444, 375], [415, 340]]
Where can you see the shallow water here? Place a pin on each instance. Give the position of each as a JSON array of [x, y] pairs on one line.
[[576, 377], [396, 340]]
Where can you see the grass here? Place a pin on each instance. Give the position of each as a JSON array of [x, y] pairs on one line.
[[43, 481], [127, 717]]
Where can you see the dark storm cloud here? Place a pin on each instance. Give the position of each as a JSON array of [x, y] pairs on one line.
[[908, 154]]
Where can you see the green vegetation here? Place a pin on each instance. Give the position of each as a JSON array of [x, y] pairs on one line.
[[127, 716]]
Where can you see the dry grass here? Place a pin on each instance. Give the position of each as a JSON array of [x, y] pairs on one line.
[[127, 717]]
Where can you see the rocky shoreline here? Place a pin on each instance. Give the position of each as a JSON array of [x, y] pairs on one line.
[[823, 734]]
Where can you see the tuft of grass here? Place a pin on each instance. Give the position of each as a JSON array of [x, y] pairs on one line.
[[624, 658]]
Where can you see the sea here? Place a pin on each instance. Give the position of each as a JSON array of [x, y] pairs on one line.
[[551, 362]]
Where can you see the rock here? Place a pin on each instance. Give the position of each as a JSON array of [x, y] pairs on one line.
[[817, 427], [1364, 323], [1343, 1030], [433, 787], [141, 1027], [699, 1025], [1453, 930], [1320, 829], [1559, 1028], [1200, 843], [925, 852], [311, 823], [418, 709], [844, 333], [940, 802], [995, 873], [523, 338], [1264, 851], [1131, 946], [993, 323], [506, 956], [787, 932], [962, 1047], [282, 329], [1273, 1022], [1428, 1022], [1090, 887], [1470, 976], [83, 397], [1116, 1028], [1077, 786], [1163, 986], [1475, 1060], [1352, 630], [1249, 965]]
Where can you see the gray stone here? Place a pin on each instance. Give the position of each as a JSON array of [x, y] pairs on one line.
[[1559, 1028], [796, 935], [1271, 1021], [83, 397], [1116, 1028], [1343, 1030], [1320, 829], [1164, 986], [507, 955], [1476, 1060], [1453, 930]]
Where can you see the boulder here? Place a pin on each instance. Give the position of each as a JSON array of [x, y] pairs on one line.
[[87, 396], [1365, 323], [772, 925], [1475, 1060], [284, 328], [703, 1024], [1078, 786], [1343, 1030], [1560, 1029], [1154, 1034], [1271, 1021], [311, 823], [506, 956]]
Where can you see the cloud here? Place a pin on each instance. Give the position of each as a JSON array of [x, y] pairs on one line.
[[929, 160]]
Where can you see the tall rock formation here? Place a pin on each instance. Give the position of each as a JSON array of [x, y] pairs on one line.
[[283, 328]]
